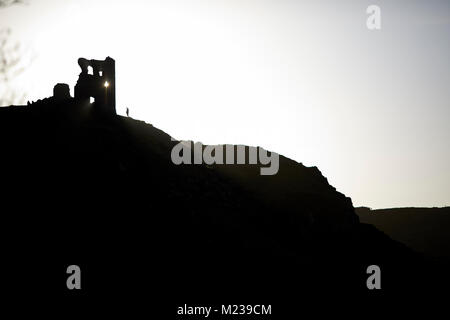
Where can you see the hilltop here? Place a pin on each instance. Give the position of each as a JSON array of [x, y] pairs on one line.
[[102, 192]]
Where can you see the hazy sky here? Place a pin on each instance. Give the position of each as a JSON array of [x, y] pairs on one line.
[[306, 79]]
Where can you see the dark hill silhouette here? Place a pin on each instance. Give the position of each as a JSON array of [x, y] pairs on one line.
[[79, 187], [425, 230]]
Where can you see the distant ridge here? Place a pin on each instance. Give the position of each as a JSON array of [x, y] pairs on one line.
[[425, 230]]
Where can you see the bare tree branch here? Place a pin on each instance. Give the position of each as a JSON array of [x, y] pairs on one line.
[[11, 62], [7, 3]]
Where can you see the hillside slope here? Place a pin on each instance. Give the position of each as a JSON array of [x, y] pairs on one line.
[[102, 192]]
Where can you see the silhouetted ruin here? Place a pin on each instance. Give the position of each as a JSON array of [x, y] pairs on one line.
[[96, 86], [97, 81], [61, 91]]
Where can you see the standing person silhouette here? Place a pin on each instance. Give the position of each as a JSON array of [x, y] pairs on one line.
[[128, 112]]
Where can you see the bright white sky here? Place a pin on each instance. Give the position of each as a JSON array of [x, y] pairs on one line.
[[306, 79]]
